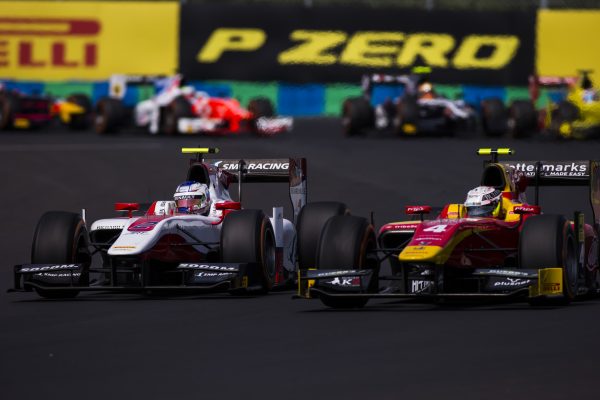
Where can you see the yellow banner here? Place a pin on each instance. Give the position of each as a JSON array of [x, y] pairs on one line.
[[566, 42], [87, 40]]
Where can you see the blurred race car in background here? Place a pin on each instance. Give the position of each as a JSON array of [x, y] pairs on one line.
[[24, 111], [500, 250], [176, 108], [417, 109], [572, 109]]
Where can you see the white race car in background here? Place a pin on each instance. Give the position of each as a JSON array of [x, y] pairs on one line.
[[177, 108]]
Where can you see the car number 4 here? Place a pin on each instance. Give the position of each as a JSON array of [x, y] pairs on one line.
[[436, 228]]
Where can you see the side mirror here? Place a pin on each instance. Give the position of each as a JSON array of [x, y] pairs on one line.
[[417, 210], [131, 207], [229, 205], [527, 210]]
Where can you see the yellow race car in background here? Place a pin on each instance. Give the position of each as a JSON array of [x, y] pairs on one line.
[[567, 107], [572, 109]]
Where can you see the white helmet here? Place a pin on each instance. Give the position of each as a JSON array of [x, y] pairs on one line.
[[192, 197], [483, 201], [188, 91]]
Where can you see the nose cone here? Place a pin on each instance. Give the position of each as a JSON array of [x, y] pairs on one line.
[[420, 254]]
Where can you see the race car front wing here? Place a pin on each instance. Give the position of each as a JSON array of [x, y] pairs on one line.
[[540, 283], [193, 277]]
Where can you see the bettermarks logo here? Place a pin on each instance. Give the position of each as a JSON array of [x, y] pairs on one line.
[[48, 42]]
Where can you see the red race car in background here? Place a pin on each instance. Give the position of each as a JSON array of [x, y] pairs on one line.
[[182, 109]]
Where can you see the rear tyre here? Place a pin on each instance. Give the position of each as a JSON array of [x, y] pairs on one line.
[[565, 112], [8, 107], [61, 238], [109, 115], [179, 107], [347, 242], [247, 237], [311, 220], [357, 116], [261, 107], [549, 241], [80, 121], [522, 120], [494, 117], [407, 116]]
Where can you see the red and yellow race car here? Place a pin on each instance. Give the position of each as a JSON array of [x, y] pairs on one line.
[[25, 111], [494, 245]]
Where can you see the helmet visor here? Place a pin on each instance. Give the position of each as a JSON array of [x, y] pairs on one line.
[[481, 211], [189, 204]]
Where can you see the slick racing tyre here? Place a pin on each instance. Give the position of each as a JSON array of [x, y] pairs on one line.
[[247, 237], [494, 117], [549, 241], [179, 107], [311, 220], [261, 107], [60, 238], [522, 120], [348, 242], [109, 115], [407, 116], [357, 116], [565, 112], [80, 121], [8, 107]]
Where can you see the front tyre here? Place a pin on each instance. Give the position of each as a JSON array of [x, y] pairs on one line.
[[109, 115], [407, 116], [549, 241], [179, 108], [357, 116], [348, 242], [61, 238], [311, 220], [494, 117], [247, 237], [522, 120]]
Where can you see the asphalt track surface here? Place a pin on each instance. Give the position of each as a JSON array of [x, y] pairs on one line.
[[102, 346]]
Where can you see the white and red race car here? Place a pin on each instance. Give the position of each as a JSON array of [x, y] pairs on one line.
[[229, 249], [182, 109]]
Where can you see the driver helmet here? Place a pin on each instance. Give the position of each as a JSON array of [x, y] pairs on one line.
[[188, 91], [425, 90], [192, 197], [483, 201]]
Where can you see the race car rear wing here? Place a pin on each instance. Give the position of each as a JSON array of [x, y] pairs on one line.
[[118, 83], [556, 173], [409, 82], [261, 170]]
